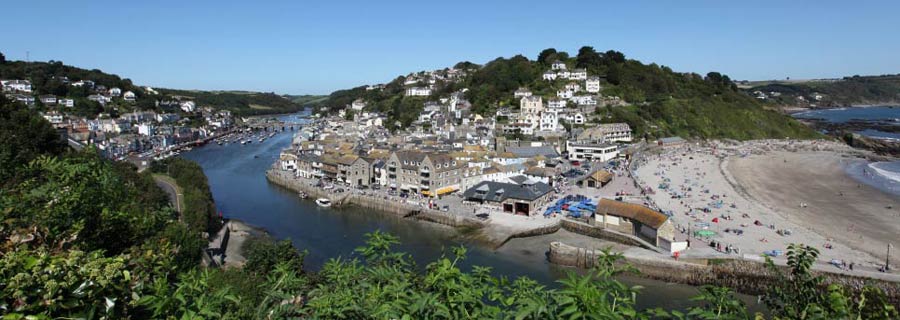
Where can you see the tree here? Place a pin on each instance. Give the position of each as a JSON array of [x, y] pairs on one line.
[[24, 135], [615, 56], [2, 58], [547, 56], [587, 57]]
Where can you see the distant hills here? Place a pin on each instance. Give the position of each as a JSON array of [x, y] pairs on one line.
[[657, 101], [55, 78], [848, 91]]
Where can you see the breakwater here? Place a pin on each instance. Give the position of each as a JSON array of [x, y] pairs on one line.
[[749, 277]]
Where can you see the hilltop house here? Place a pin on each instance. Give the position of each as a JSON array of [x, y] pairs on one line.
[[550, 75], [558, 65], [578, 74], [129, 96], [556, 104], [115, 92], [16, 85], [418, 91], [521, 93], [48, 99], [66, 102]]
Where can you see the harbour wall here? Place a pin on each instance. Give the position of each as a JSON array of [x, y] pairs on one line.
[[745, 276]]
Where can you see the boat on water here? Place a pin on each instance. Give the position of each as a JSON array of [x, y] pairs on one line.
[[323, 202], [302, 195]]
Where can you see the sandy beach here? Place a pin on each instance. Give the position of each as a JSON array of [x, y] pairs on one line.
[[850, 212], [750, 195]]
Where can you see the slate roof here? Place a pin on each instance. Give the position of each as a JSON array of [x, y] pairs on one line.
[[530, 152], [498, 191]]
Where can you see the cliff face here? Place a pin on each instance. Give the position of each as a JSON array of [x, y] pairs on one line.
[[879, 146]]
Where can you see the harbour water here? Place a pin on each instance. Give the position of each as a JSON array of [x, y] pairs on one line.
[[884, 176], [237, 178]]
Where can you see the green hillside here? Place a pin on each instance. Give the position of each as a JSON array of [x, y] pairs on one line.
[[49, 78], [883, 89], [662, 102]]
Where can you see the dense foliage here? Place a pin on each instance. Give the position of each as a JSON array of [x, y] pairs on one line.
[[24, 135], [199, 208], [663, 102]]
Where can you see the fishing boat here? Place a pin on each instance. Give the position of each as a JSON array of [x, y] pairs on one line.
[[302, 195], [323, 202]]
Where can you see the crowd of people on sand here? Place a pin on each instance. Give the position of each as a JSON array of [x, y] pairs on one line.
[[695, 206]]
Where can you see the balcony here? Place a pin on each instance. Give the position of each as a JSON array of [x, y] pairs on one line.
[[425, 182], [425, 175]]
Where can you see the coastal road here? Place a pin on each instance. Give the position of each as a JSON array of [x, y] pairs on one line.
[[176, 196]]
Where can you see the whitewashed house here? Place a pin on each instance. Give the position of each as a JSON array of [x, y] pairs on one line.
[[558, 65], [188, 106], [549, 121], [521, 93], [556, 104], [16, 85], [578, 74], [550, 75], [592, 84], [584, 100], [66, 102], [115, 92], [564, 94], [358, 104], [418, 91], [572, 86]]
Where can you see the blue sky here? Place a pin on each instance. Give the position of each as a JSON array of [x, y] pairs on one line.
[[301, 47]]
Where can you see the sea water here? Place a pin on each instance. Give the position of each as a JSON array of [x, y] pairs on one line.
[[884, 176], [883, 115]]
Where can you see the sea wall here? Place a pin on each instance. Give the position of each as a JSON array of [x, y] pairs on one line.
[[749, 277], [606, 234]]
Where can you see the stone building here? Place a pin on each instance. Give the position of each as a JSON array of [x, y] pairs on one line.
[[634, 219]]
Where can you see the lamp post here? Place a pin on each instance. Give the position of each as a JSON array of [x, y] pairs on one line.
[[887, 258]]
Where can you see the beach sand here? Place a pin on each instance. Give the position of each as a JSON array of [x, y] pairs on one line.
[[754, 183], [839, 207]]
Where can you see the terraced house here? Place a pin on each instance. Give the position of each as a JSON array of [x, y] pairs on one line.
[[430, 174]]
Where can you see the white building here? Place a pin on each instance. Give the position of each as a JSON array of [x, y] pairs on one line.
[[591, 151], [16, 85], [592, 84], [556, 104], [358, 104], [564, 74], [558, 65], [564, 94], [531, 105], [115, 92], [66, 102], [54, 117], [584, 100], [549, 121], [578, 74], [550, 75], [574, 87], [418, 92], [188, 106], [129, 96], [607, 132], [146, 129], [521, 93]]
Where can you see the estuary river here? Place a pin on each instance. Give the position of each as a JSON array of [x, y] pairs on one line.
[[237, 178]]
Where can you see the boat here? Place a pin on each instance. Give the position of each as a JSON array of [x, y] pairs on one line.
[[323, 202], [302, 195]]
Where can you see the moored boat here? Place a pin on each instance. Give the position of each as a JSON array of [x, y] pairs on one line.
[[323, 202]]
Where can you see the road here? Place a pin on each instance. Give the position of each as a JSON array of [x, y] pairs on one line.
[[176, 196]]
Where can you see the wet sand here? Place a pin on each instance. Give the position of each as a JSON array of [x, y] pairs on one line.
[[839, 207]]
